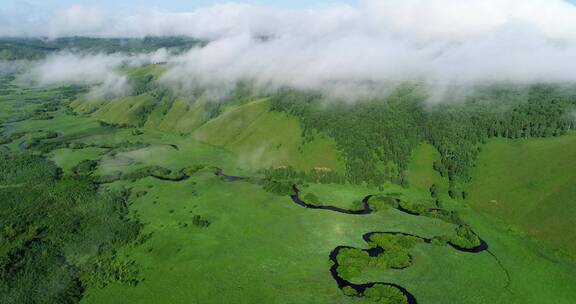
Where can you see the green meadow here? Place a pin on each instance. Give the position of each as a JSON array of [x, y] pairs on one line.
[[264, 139], [204, 239], [528, 184]]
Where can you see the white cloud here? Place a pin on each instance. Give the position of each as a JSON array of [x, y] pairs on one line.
[[340, 48], [68, 67], [100, 70], [422, 19], [80, 20]]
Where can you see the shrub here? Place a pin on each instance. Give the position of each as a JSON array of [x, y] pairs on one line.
[[311, 198], [85, 167], [200, 222], [465, 238], [385, 294]]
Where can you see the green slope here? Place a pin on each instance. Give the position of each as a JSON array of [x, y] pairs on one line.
[[530, 184], [421, 174], [181, 116], [126, 110], [263, 139], [154, 70]]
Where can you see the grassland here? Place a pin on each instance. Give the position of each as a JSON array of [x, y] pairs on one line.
[[349, 196], [420, 173], [181, 117], [264, 139], [259, 248], [529, 184], [259, 137], [251, 246]]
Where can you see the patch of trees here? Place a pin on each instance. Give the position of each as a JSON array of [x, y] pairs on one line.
[[384, 294], [391, 251], [44, 145], [150, 171], [59, 235], [106, 268], [8, 138], [280, 180], [352, 262], [279, 187], [375, 136], [17, 168], [200, 222], [465, 238], [392, 254], [395, 248], [113, 125], [85, 167], [382, 202], [50, 141], [311, 198]]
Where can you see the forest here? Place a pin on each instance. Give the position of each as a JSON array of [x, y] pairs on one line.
[[377, 136], [59, 234]]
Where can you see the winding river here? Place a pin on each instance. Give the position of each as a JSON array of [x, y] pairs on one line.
[[229, 178], [171, 179], [364, 211], [372, 252]]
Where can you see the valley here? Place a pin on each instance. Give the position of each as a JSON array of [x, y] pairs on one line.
[[298, 226]]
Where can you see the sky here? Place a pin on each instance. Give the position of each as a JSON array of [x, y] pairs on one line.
[[46, 7], [334, 46], [54, 18], [32, 17]]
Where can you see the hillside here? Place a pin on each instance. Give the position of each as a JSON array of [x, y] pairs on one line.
[[420, 172], [264, 139], [529, 183], [260, 137]]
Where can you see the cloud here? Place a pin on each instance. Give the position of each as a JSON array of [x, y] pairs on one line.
[[346, 49], [350, 51], [13, 67], [80, 20], [422, 19], [100, 70]]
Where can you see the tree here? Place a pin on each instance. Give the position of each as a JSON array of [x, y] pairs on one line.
[[434, 191]]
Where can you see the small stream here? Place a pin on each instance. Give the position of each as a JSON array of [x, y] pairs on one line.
[[372, 252], [229, 178], [7, 129]]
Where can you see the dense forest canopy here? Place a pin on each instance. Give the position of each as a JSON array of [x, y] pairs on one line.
[[59, 234]]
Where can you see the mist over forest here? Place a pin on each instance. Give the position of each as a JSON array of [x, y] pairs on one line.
[[353, 152]]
